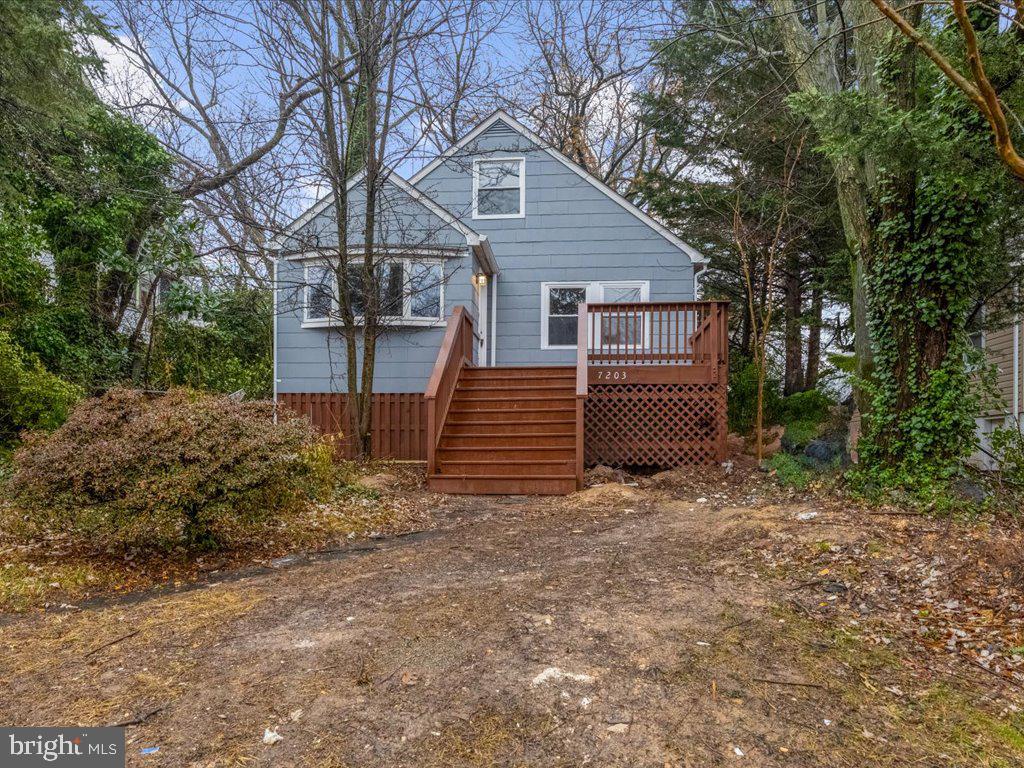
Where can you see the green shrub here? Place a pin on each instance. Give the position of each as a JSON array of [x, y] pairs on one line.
[[185, 469], [742, 404], [230, 350], [30, 396], [812, 406], [790, 471], [1008, 449], [798, 434]]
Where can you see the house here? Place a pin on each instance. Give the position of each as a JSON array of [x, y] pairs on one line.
[[1004, 349], [500, 253]]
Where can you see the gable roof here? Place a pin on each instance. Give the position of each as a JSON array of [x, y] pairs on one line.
[[501, 115], [321, 205]]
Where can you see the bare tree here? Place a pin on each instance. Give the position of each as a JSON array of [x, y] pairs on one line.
[[203, 77], [363, 123], [589, 64], [763, 240]]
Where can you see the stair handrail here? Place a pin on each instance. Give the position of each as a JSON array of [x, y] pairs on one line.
[[582, 385], [456, 353]]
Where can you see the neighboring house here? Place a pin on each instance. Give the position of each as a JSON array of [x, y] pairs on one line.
[[518, 236], [1004, 348]]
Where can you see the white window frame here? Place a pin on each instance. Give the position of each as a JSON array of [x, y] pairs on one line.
[[332, 286], [595, 295], [522, 187], [406, 320], [645, 294]]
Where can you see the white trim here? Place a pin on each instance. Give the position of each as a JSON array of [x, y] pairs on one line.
[[406, 320], [594, 294], [307, 319], [398, 252], [545, 308], [482, 312], [494, 318], [695, 256], [522, 187], [317, 208], [481, 246]]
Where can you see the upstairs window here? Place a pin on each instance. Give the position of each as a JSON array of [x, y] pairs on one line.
[[499, 188], [411, 292]]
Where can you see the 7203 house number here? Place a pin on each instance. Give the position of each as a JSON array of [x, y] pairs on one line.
[[611, 375]]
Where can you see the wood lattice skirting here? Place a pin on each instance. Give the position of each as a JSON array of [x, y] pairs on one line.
[[399, 421], [655, 425]]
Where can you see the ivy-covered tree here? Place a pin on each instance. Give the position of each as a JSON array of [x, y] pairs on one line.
[[939, 234], [108, 221]]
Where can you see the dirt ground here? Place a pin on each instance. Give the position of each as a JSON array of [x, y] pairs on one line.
[[698, 620]]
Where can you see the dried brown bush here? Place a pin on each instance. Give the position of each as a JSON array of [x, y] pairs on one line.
[[182, 469]]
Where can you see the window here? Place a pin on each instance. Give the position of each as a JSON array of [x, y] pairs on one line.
[[559, 313], [411, 293], [562, 317], [499, 188], [425, 281], [617, 331], [319, 285], [391, 294]]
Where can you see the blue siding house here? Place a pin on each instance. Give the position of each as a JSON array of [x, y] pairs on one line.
[[500, 224]]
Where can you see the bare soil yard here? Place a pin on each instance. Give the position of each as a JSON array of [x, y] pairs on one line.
[[692, 621]]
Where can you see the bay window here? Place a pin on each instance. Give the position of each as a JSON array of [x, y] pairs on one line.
[[410, 292]]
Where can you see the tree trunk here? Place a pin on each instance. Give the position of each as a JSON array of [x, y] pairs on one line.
[[814, 339], [746, 333], [814, 62], [793, 379]]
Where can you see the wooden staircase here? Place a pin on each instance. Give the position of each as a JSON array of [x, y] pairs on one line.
[[509, 431]]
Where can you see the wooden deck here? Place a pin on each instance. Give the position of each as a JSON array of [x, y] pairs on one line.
[[648, 389]]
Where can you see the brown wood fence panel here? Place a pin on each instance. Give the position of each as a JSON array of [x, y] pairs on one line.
[[399, 421]]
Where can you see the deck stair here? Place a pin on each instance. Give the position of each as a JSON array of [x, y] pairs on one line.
[[509, 430]]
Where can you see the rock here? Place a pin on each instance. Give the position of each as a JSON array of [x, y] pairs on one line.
[[772, 439], [380, 482], [271, 737], [969, 490], [618, 728], [826, 451]]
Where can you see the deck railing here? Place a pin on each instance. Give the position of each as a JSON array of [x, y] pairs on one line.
[[455, 354], [655, 333]]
